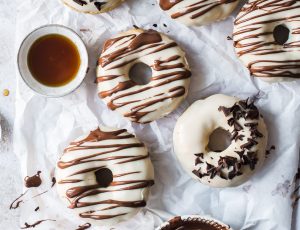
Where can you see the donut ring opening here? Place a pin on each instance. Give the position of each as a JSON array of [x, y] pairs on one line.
[[219, 140], [281, 34], [104, 177], [140, 73]]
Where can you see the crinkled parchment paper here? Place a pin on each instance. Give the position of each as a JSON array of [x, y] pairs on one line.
[[44, 126]]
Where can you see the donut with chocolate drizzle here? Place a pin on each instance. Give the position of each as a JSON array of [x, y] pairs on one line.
[[267, 38], [198, 12], [92, 6], [240, 160], [169, 82], [105, 176]]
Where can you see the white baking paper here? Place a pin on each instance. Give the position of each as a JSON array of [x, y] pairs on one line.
[[44, 126]]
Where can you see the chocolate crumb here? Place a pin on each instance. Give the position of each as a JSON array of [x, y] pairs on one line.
[[53, 182]]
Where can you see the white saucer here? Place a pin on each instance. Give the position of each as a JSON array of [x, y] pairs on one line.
[[31, 81]]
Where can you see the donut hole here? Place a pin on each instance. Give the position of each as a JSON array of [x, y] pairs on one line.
[[219, 140], [140, 73], [281, 34], [104, 177]]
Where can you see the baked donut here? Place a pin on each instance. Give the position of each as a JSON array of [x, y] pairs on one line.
[[198, 12], [168, 84], [267, 38], [105, 176], [193, 222], [92, 6], [246, 152]]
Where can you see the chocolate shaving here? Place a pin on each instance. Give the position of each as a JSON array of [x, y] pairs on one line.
[[198, 161], [201, 155], [249, 144], [225, 110], [80, 2], [239, 137], [99, 5], [234, 135], [237, 126]]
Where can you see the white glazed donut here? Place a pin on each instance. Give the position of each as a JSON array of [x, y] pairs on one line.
[[198, 12], [169, 81], [193, 222], [105, 176], [271, 57], [244, 155], [92, 6]]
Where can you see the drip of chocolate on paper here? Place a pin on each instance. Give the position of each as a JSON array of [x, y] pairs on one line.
[[16, 203], [40, 194], [53, 182], [84, 226], [35, 224], [33, 181]]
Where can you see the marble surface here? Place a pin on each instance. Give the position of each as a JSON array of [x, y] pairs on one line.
[[9, 166], [11, 181]]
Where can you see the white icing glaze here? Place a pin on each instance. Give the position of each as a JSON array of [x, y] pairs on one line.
[[129, 162], [192, 132], [169, 82], [255, 43], [92, 6], [198, 12]]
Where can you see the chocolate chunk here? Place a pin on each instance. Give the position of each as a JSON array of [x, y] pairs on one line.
[[237, 126], [225, 110], [252, 115], [80, 2], [99, 5], [201, 155], [239, 137], [234, 135], [198, 161]]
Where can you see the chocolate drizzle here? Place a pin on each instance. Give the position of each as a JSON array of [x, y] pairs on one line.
[[196, 223], [167, 71], [104, 182], [33, 181], [256, 41], [84, 226], [241, 116], [194, 9], [35, 224], [16, 203]]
